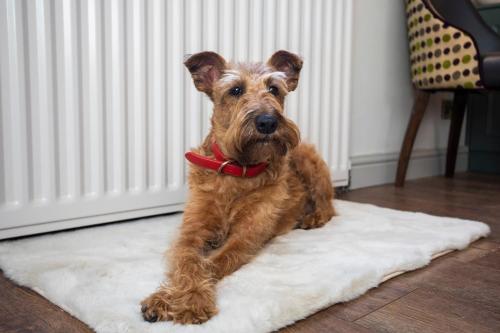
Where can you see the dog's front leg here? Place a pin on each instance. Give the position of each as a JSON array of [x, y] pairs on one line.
[[247, 236], [189, 296]]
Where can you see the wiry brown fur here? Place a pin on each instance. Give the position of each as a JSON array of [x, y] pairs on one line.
[[228, 219]]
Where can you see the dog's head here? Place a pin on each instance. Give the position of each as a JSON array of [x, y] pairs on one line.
[[249, 122]]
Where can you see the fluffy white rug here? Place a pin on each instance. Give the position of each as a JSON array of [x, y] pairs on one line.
[[101, 274]]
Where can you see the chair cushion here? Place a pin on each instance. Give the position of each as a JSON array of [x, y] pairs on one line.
[[442, 57]]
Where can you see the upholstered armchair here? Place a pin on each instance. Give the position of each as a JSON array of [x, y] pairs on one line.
[[451, 49]]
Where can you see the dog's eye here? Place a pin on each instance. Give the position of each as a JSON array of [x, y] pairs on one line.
[[274, 90], [236, 91]]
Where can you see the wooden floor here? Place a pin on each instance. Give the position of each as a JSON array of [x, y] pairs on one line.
[[459, 292]]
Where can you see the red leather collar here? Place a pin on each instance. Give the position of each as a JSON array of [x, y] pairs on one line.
[[223, 165]]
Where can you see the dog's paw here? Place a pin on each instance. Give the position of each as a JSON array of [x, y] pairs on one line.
[[156, 307], [194, 307], [313, 222]]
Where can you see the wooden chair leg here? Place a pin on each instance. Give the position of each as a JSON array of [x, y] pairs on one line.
[[419, 107], [457, 117]]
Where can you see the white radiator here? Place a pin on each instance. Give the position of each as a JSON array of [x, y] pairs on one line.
[[97, 108]]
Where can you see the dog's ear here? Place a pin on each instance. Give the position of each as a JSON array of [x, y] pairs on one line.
[[290, 64], [205, 68]]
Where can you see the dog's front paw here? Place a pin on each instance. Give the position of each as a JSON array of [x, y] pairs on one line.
[[313, 225], [313, 222], [156, 306], [193, 307]]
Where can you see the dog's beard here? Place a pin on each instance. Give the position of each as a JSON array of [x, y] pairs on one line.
[[255, 148], [262, 149], [247, 146]]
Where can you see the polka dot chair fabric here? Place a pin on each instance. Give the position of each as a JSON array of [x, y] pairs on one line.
[[441, 56]]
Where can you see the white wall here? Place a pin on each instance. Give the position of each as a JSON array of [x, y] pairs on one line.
[[382, 97]]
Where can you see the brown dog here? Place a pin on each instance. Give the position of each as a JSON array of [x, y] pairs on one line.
[[250, 181]]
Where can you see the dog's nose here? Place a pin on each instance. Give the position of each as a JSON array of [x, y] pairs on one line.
[[266, 123]]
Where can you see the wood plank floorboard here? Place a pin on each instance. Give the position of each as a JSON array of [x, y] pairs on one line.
[[22, 310], [459, 292], [427, 310]]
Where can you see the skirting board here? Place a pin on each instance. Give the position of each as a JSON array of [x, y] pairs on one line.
[[377, 169]]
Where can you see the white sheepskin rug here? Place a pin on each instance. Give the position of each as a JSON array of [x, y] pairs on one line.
[[101, 274]]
